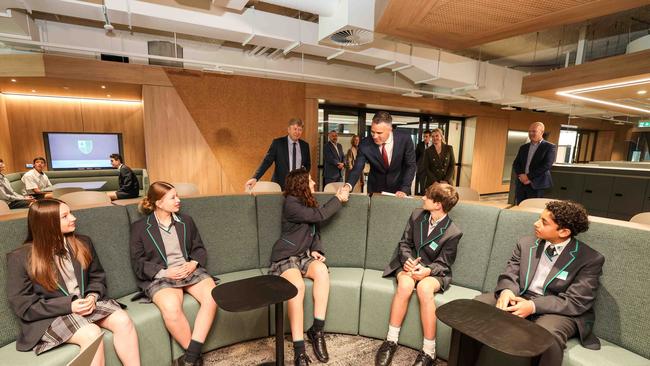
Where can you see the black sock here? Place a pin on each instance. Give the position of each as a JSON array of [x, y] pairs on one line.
[[318, 325], [298, 348], [193, 352]]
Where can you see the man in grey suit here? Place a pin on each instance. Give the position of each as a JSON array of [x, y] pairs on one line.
[[333, 163], [552, 279]]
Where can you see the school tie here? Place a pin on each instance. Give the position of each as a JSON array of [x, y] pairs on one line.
[[384, 155], [551, 252], [293, 162]]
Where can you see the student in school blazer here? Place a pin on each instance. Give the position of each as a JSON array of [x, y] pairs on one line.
[[570, 287], [38, 307], [438, 250], [148, 250]]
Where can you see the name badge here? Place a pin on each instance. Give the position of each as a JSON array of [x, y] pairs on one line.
[[433, 245], [563, 275]]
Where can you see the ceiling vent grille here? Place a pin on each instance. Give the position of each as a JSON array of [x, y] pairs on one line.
[[350, 37]]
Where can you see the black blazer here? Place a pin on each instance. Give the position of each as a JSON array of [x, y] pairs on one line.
[[148, 254], [539, 171], [331, 173], [400, 173], [571, 294], [438, 167], [437, 251], [37, 307], [300, 227], [419, 151], [128, 181], [278, 153]]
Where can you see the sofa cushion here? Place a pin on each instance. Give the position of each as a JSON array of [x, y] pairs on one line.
[[376, 297], [228, 228], [608, 355], [343, 235], [13, 233], [342, 305], [229, 327], [108, 228]]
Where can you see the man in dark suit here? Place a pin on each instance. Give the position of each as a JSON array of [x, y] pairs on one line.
[[391, 157], [533, 164], [552, 279], [334, 160], [287, 153], [129, 187], [419, 154]]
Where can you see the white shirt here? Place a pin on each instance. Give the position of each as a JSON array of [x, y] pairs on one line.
[[433, 224], [544, 267], [298, 155], [388, 147], [33, 179]]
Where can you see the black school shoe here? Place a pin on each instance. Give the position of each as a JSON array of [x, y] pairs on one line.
[[423, 360], [385, 353], [302, 360], [181, 362], [317, 339]]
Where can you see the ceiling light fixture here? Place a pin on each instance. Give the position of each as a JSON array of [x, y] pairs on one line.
[[103, 86], [508, 108], [412, 94], [598, 101], [641, 92], [70, 99], [107, 23], [609, 86], [13, 80]]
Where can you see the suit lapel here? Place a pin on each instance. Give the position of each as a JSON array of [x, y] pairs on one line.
[[154, 234], [182, 236], [284, 152], [533, 255], [563, 261], [436, 233], [376, 155]]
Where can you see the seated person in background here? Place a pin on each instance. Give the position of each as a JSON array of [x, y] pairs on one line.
[[7, 193], [36, 181], [299, 253], [129, 185], [422, 261], [169, 258], [552, 278], [57, 288]]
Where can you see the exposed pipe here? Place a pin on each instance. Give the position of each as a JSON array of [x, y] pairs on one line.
[[320, 7]]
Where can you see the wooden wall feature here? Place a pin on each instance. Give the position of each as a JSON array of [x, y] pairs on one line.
[[175, 147], [22, 65], [489, 151], [29, 117], [5, 137], [239, 116]]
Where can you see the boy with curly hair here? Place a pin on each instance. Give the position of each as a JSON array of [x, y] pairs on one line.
[[552, 278]]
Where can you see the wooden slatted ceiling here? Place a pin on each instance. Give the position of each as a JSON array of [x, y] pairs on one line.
[[459, 24]]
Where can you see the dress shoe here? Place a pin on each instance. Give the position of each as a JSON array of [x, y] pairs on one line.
[[385, 353], [317, 339], [424, 360], [302, 360], [182, 362]]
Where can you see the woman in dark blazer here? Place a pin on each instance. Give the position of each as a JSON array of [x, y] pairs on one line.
[[422, 261], [439, 162], [57, 288], [299, 253], [169, 258]]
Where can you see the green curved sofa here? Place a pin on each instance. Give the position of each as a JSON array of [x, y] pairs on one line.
[[239, 231]]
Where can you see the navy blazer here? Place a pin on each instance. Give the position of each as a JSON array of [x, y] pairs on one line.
[[570, 287], [539, 171], [36, 306], [278, 153], [331, 173], [147, 249], [400, 173], [128, 181], [436, 250]]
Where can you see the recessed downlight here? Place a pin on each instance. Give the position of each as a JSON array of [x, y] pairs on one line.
[[103, 86], [641, 92], [13, 80]]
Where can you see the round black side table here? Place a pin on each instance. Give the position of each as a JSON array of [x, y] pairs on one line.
[[256, 292]]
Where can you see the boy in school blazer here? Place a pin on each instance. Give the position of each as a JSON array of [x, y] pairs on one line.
[[552, 279], [422, 260]]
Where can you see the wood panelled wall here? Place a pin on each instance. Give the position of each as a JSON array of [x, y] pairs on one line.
[[29, 117], [6, 151], [238, 117], [176, 149]]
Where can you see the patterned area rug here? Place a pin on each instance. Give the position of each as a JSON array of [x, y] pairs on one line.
[[343, 349]]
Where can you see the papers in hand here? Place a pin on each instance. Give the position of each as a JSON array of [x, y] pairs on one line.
[[383, 193]]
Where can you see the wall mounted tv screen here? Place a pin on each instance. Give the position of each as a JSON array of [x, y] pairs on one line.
[[81, 150]]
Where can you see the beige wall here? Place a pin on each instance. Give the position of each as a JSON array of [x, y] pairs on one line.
[[6, 151]]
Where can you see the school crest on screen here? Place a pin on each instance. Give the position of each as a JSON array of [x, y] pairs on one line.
[[85, 146]]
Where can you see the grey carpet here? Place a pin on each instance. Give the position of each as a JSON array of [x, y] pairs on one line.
[[343, 349]]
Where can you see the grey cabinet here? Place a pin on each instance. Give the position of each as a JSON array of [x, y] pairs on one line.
[[646, 199], [567, 186], [627, 197], [596, 192]]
